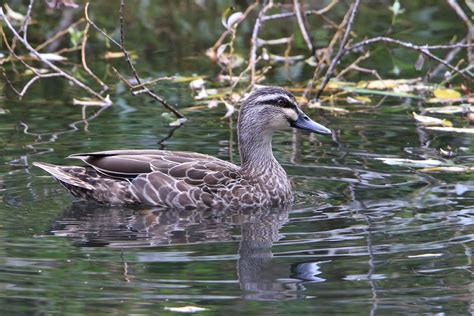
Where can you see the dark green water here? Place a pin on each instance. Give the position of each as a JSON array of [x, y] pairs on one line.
[[363, 237]]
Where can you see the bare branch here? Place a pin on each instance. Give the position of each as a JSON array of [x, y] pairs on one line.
[[300, 17], [254, 41], [98, 29], [58, 35], [218, 43], [341, 50], [46, 61], [424, 49], [308, 12], [84, 61], [24, 26], [34, 79], [134, 71], [470, 28]]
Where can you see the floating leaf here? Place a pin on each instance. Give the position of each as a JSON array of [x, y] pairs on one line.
[[410, 162], [446, 94], [113, 55], [452, 129], [385, 93], [358, 100], [334, 84], [428, 120], [386, 84], [317, 105], [186, 309], [450, 109], [449, 169], [427, 255]]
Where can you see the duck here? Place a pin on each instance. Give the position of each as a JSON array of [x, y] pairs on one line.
[[188, 180]]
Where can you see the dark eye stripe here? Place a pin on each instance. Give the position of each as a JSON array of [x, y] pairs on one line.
[[276, 102]]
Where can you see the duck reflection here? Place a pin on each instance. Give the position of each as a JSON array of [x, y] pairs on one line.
[[260, 277]]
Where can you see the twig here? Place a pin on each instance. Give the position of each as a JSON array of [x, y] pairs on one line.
[[352, 65], [10, 84], [300, 17], [146, 83], [98, 29], [246, 13], [470, 28], [47, 62], [449, 57], [58, 35], [341, 50], [424, 49], [254, 43], [327, 54], [308, 12], [373, 40], [24, 26], [134, 71], [34, 79], [84, 61]]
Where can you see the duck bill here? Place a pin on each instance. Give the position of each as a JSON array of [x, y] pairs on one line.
[[305, 123]]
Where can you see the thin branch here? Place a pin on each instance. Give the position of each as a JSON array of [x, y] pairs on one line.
[[134, 71], [308, 12], [58, 35], [246, 13], [325, 59], [424, 49], [300, 17], [24, 26], [10, 84], [33, 80], [47, 62], [84, 61], [98, 29], [470, 28], [449, 57], [254, 41], [341, 50]]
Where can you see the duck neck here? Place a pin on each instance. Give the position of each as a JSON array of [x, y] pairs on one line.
[[255, 147]]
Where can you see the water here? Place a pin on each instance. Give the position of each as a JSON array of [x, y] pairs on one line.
[[363, 237]]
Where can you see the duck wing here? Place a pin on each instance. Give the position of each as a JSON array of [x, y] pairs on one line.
[[179, 183], [202, 173], [130, 163]]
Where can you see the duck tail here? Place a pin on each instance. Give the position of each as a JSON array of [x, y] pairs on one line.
[[65, 175], [86, 183]]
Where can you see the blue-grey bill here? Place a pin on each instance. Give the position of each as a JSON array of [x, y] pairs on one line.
[[305, 123]]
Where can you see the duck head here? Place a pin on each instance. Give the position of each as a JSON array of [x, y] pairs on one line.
[[274, 108]]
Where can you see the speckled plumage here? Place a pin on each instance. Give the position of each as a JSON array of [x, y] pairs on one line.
[[184, 180]]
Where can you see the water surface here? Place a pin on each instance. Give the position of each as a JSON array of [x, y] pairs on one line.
[[363, 237]]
